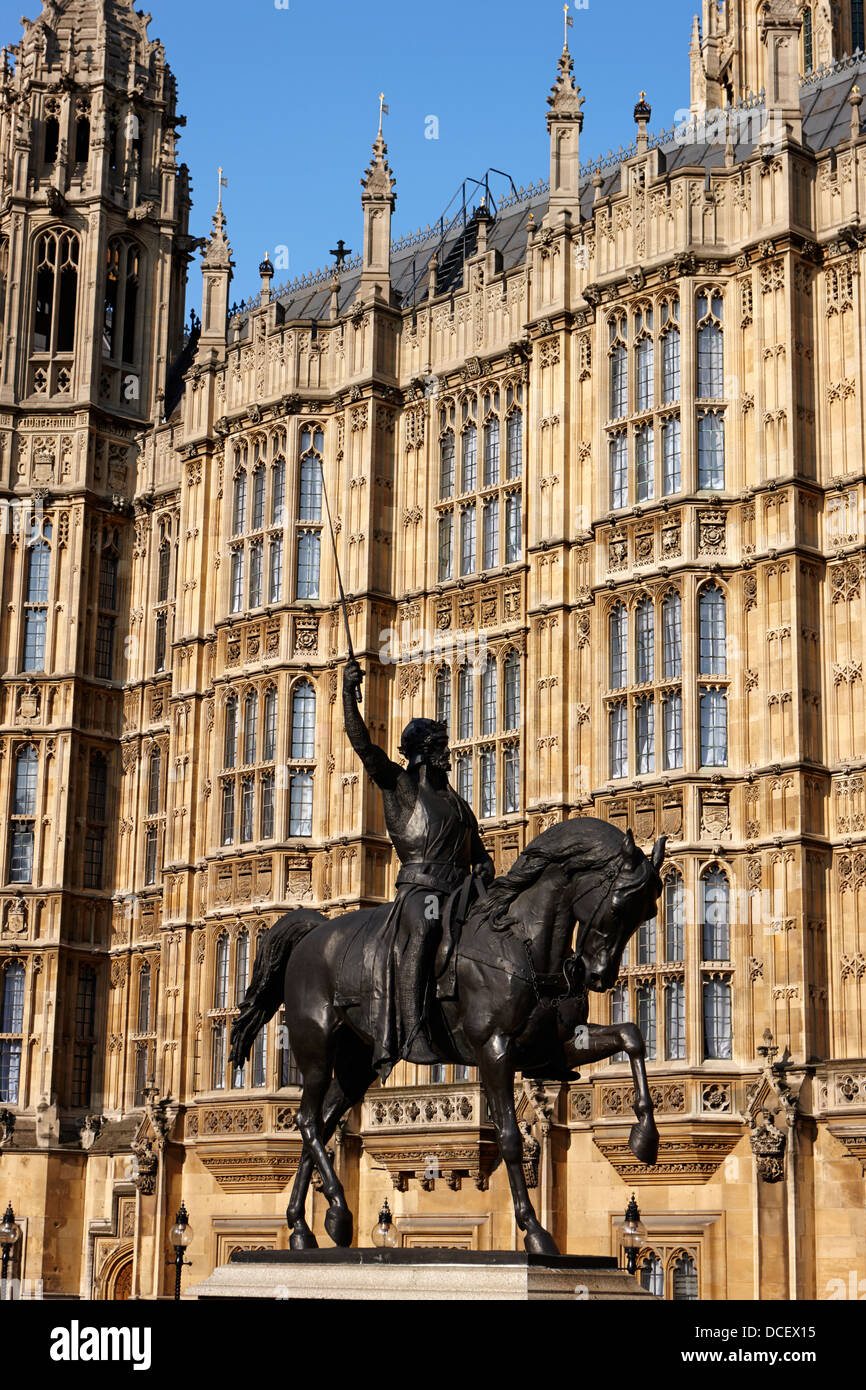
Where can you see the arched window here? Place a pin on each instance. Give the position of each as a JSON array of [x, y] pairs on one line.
[[251, 727], [713, 631], [618, 448], [672, 636], [143, 1018], [26, 773], [443, 696], [715, 915], [672, 717], [154, 782], [465, 779], [122, 285], [685, 1279], [56, 297], [487, 770], [514, 442], [446, 465], [644, 358], [465, 703], [445, 547], [675, 916], [221, 972], [646, 1017], [489, 684], [468, 538], [269, 750], [490, 533], [11, 1023], [309, 564], [82, 135], [618, 738], [491, 452], [278, 491], [163, 572], [469, 476], [242, 965], [259, 487], [52, 132], [301, 805], [711, 450], [618, 647], [808, 40], [645, 735], [304, 720], [652, 1274], [646, 942], [670, 317], [645, 634], [711, 351], [644, 445], [675, 1020], [311, 489], [672, 457], [85, 1036], [511, 681], [94, 841], [230, 745], [36, 592], [239, 508], [618, 369]]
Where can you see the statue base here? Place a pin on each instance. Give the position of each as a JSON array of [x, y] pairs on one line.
[[428, 1274]]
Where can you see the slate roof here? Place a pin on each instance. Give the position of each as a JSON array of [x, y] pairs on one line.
[[826, 123]]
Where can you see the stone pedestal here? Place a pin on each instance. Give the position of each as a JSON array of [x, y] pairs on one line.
[[417, 1274]]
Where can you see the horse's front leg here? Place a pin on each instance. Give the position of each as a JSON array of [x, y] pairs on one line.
[[592, 1042], [497, 1075]]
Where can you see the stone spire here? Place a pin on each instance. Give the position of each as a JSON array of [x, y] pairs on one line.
[[217, 267], [378, 201], [564, 124]]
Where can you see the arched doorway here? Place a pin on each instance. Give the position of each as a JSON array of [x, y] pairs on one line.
[[120, 1288]]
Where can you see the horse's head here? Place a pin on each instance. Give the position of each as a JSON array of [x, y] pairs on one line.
[[631, 900]]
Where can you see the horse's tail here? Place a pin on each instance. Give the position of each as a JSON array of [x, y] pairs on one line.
[[265, 993]]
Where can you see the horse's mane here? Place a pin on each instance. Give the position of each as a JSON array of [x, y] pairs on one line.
[[582, 845]]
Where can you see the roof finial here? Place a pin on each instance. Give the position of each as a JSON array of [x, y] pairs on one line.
[[384, 110], [223, 183]]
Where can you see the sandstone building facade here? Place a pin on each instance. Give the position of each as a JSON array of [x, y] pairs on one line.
[[594, 453]]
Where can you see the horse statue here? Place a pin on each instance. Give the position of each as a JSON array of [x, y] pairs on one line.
[[512, 997]]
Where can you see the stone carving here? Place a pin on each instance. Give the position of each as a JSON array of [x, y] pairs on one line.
[[768, 1145]]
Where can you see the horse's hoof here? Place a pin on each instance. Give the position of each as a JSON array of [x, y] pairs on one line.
[[644, 1141], [540, 1242], [338, 1224], [302, 1238]]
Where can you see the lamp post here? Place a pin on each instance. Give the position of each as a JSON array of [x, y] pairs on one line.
[[180, 1237], [384, 1235], [633, 1232], [10, 1234]]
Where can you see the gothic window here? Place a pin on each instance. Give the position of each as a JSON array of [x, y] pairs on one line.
[[151, 850], [269, 750], [301, 805], [674, 907], [618, 735], [278, 484], [711, 355], [163, 572], [644, 443], [469, 472], [618, 448], [675, 1020], [514, 442], [309, 559], [123, 273], [256, 574], [242, 965], [685, 1279], [490, 534], [468, 539], [145, 1039], [718, 1035], [672, 710], [644, 358], [275, 570], [107, 614], [56, 291], [618, 647], [36, 593], [858, 41], [511, 681], [11, 1030], [644, 719], [511, 779], [248, 809], [714, 728], [304, 721], [237, 580], [465, 780], [646, 942], [672, 636], [228, 813], [82, 134], [267, 823], [443, 696], [672, 461], [445, 568], [619, 1012], [711, 450], [218, 1063], [513, 527], [259, 1060], [26, 774], [618, 367], [259, 490], [230, 743], [142, 1024], [94, 842], [465, 703], [808, 40], [646, 1017], [488, 698], [446, 465], [311, 481], [645, 631], [713, 631], [715, 915], [251, 727], [51, 146], [239, 507], [154, 780], [85, 1036], [221, 972], [22, 831], [670, 334], [488, 783], [652, 1274], [491, 452]]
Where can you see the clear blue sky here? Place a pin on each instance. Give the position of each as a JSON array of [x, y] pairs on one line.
[[286, 100]]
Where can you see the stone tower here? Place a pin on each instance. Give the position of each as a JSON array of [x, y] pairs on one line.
[[93, 256]]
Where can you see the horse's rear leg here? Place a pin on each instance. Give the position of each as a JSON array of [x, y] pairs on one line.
[[497, 1075], [314, 1048]]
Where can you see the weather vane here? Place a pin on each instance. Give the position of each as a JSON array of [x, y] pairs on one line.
[[568, 24], [383, 110], [223, 183]]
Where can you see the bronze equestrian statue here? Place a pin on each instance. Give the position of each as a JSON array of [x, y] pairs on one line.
[[514, 963]]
